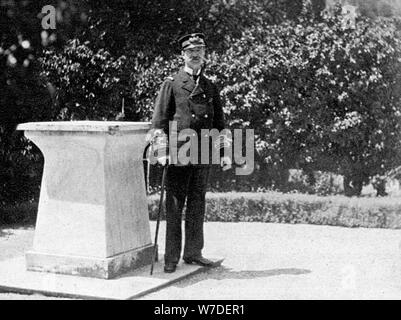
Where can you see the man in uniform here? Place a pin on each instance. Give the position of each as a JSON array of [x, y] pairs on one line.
[[193, 102]]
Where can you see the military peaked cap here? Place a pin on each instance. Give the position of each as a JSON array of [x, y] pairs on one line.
[[192, 40]]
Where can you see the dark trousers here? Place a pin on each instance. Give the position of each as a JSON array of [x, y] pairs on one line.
[[185, 183]]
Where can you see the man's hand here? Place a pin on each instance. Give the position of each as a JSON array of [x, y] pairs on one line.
[[163, 160], [161, 145], [223, 141], [158, 152], [226, 163]]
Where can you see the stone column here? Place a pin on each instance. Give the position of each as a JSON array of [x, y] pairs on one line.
[[93, 216]]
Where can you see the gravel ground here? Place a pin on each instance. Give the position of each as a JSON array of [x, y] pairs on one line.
[[274, 261]]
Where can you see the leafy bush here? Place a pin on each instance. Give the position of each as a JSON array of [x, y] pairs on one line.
[[318, 182], [319, 97], [88, 78], [24, 97], [109, 60], [23, 213], [272, 207], [88, 82], [293, 208], [328, 183]]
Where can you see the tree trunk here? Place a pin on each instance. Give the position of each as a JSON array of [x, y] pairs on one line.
[[380, 188]]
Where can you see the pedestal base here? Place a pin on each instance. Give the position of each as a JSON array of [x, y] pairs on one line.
[[132, 285], [103, 268], [92, 215]]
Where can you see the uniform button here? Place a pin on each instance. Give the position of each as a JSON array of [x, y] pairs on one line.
[[193, 115], [206, 115]]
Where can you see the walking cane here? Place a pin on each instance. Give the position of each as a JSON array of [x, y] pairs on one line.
[[159, 216]]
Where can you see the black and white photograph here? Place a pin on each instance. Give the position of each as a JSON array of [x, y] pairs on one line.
[[200, 155]]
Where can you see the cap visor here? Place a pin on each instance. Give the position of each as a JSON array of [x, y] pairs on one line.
[[191, 46]]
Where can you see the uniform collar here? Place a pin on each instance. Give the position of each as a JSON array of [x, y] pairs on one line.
[[189, 84], [191, 71]]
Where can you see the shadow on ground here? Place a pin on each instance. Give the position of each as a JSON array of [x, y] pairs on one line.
[[222, 273]]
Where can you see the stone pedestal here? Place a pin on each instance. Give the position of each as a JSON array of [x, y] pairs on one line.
[[93, 216]]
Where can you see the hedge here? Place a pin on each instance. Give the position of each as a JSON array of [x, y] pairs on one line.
[[21, 214], [299, 208], [271, 207]]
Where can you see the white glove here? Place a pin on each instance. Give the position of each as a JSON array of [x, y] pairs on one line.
[[223, 141], [226, 163], [163, 160], [159, 144]]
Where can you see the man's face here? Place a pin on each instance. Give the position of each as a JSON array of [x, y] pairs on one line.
[[194, 57]]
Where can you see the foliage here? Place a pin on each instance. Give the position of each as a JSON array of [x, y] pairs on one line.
[[23, 213], [317, 182], [271, 207], [150, 28], [319, 97], [274, 207], [88, 82], [24, 94], [24, 97], [131, 36], [88, 78]]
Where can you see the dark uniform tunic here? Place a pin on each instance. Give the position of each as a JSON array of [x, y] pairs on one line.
[[194, 105]]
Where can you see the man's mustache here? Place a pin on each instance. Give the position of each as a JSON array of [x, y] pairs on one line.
[[204, 60]]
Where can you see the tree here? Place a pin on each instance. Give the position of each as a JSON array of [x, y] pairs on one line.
[[134, 35], [113, 45], [25, 96], [88, 82], [319, 97]]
